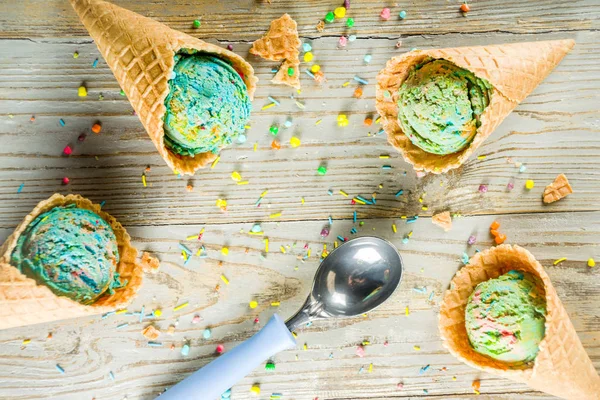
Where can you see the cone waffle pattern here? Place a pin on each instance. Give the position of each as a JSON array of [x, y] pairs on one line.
[[24, 302], [557, 189], [514, 70], [562, 367], [140, 52]]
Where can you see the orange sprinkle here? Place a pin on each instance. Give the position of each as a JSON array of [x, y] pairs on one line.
[[495, 225], [368, 121], [476, 384], [465, 8], [96, 128], [275, 145], [358, 92], [189, 188], [494, 232], [500, 239]]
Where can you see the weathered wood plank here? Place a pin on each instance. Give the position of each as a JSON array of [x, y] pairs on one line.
[[89, 348], [248, 19], [555, 130]]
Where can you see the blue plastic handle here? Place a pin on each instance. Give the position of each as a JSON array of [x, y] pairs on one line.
[[215, 378]]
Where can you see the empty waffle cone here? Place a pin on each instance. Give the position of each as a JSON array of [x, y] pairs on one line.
[[561, 368], [24, 302], [281, 41], [514, 70], [140, 52]]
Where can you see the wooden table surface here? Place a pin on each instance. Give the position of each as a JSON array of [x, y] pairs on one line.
[[556, 129]]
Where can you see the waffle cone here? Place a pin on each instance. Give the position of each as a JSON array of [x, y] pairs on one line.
[[281, 41], [140, 52], [514, 70], [561, 368], [24, 302], [282, 76]]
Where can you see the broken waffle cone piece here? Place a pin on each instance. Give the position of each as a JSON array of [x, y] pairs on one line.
[[25, 302], [561, 368], [140, 52], [284, 77], [443, 220], [513, 70], [557, 190], [281, 41]]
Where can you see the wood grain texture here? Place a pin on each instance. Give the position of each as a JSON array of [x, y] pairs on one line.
[[89, 348], [554, 130]]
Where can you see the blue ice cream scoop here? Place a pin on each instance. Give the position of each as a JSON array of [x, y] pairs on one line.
[[207, 106], [72, 251]]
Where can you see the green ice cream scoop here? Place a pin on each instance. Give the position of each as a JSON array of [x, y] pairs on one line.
[[505, 317], [71, 250], [207, 106], [439, 106]]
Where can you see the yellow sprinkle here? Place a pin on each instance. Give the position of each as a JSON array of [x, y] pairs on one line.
[[394, 228], [324, 246], [121, 311], [192, 237], [529, 184], [144, 180], [82, 91], [420, 199], [366, 343], [318, 122], [157, 313], [255, 233], [275, 215], [424, 208], [560, 260], [275, 303], [268, 106], [302, 200], [224, 279], [175, 172], [255, 146], [308, 253], [225, 251], [266, 245], [403, 217], [370, 368], [343, 193], [335, 244], [236, 176], [263, 194], [305, 346], [410, 234], [282, 249], [184, 255], [253, 304], [377, 120], [359, 201], [481, 157], [247, 126], [591, 263], [215, 162], [255, 390], [406, 311], [181, 306], [453, 378], [243, 182], [26, 342], [384, 156], [417, 348], [345, 84], [308, 56], [476, 391], [314, 69], [199, 251]]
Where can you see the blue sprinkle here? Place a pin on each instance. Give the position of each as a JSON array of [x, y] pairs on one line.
[[20, 189], [60, 369], [424, 369], [207, 333], [110, 374], [522, 169], [125, 325], [287, 123], [352, 38], [341, 239], [380, 132], [102, 203], [142, 314], [431, 296], [310, 74], [465, 258], [360, 80], [156, 344], [411, 221], [185, 350], [405, 240], [354, 216], [274, 70], [402, 14], [306, 47], [226, 394], [108, 314], [330, 192], [95, 63], [422, 289], [241, 138], [399, 193], [273, 100], [386, 167], [256, 228], [61, 122], [184, 248], [330, 221], [309, 323], [367, 58]]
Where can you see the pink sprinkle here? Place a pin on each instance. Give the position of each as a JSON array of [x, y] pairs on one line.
[[386, 14], [386, 343], [347, 4], [196, 319], [229, 47], [483, 188], [343, 41], [81, 137], [420, 174], [360, 351], [510, 186], [65, 181], [472, 240], [256, 320], [306, 246], [220, 348], [400, 385], [67, 150]]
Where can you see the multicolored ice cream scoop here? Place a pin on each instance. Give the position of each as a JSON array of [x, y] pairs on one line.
[[440, 104], [207, 106], [505, 317], [72, 251]]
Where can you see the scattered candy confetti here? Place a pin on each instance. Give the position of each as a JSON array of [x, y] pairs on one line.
[[529, 184], [591, 263], [385, 14]]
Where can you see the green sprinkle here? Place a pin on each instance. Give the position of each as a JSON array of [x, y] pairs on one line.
[[350, 22], [322, 170], [329, 17], [291, 71], [197, 23], [274, 129], [270, 366]]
